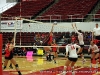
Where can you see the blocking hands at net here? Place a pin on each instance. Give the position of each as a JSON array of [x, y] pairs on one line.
[[81, 41], [9, 54], [48, 42]]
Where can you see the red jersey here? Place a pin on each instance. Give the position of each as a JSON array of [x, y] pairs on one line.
[[54, 49], [7, 52], [50, 39]]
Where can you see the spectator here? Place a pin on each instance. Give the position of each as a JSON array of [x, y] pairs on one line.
[[96, 33]]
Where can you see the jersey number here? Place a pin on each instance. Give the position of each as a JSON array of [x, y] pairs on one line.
[[72, 47]]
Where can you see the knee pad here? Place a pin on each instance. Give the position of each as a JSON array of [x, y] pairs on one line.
[[16, 65]]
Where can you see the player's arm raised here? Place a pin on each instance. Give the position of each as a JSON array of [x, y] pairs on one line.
[[66, 51], [75, 28]]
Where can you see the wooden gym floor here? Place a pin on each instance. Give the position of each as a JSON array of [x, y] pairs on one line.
[[39, 66]]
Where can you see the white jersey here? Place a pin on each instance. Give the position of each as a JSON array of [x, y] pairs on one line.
[[94, 47], [71, 48], [96, 31], [80, 37]]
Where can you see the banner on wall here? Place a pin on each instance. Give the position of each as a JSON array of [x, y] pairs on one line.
[[11, 24]]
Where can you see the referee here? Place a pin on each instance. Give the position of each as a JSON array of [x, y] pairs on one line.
[[96, 33]]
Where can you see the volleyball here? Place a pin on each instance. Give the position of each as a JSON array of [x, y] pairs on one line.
[[55, 23]]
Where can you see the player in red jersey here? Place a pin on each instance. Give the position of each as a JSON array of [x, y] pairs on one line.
[[54, 50], [48, 43], [10, 62], [9, 55]]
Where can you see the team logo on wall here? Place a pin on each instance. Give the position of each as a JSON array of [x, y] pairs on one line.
[[10, 24]]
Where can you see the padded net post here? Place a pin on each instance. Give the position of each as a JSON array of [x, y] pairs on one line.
[[1, 54], [0, 48]]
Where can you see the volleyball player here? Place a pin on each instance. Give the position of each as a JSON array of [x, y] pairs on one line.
[[9, 55], [54, 50], [72, 57], [81, 41], [48, 43], [10, 62], [94, 51]]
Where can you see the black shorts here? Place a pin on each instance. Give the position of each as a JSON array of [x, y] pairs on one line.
[[72, 59], [82, 46], [97, 37], [9, 58], [94, 52], [97, 52]]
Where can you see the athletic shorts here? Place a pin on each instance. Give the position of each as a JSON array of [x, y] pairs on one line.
[[82, 46], [97, 52], [72, 59], [9, 58]]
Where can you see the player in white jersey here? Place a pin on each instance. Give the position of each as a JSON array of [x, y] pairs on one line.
[[94, 50], [72, 57], [81, 41]]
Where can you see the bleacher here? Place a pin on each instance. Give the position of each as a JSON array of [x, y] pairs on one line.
[[69, 10], [65, 10], [97, 16], [26, 9], [27, 38]]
